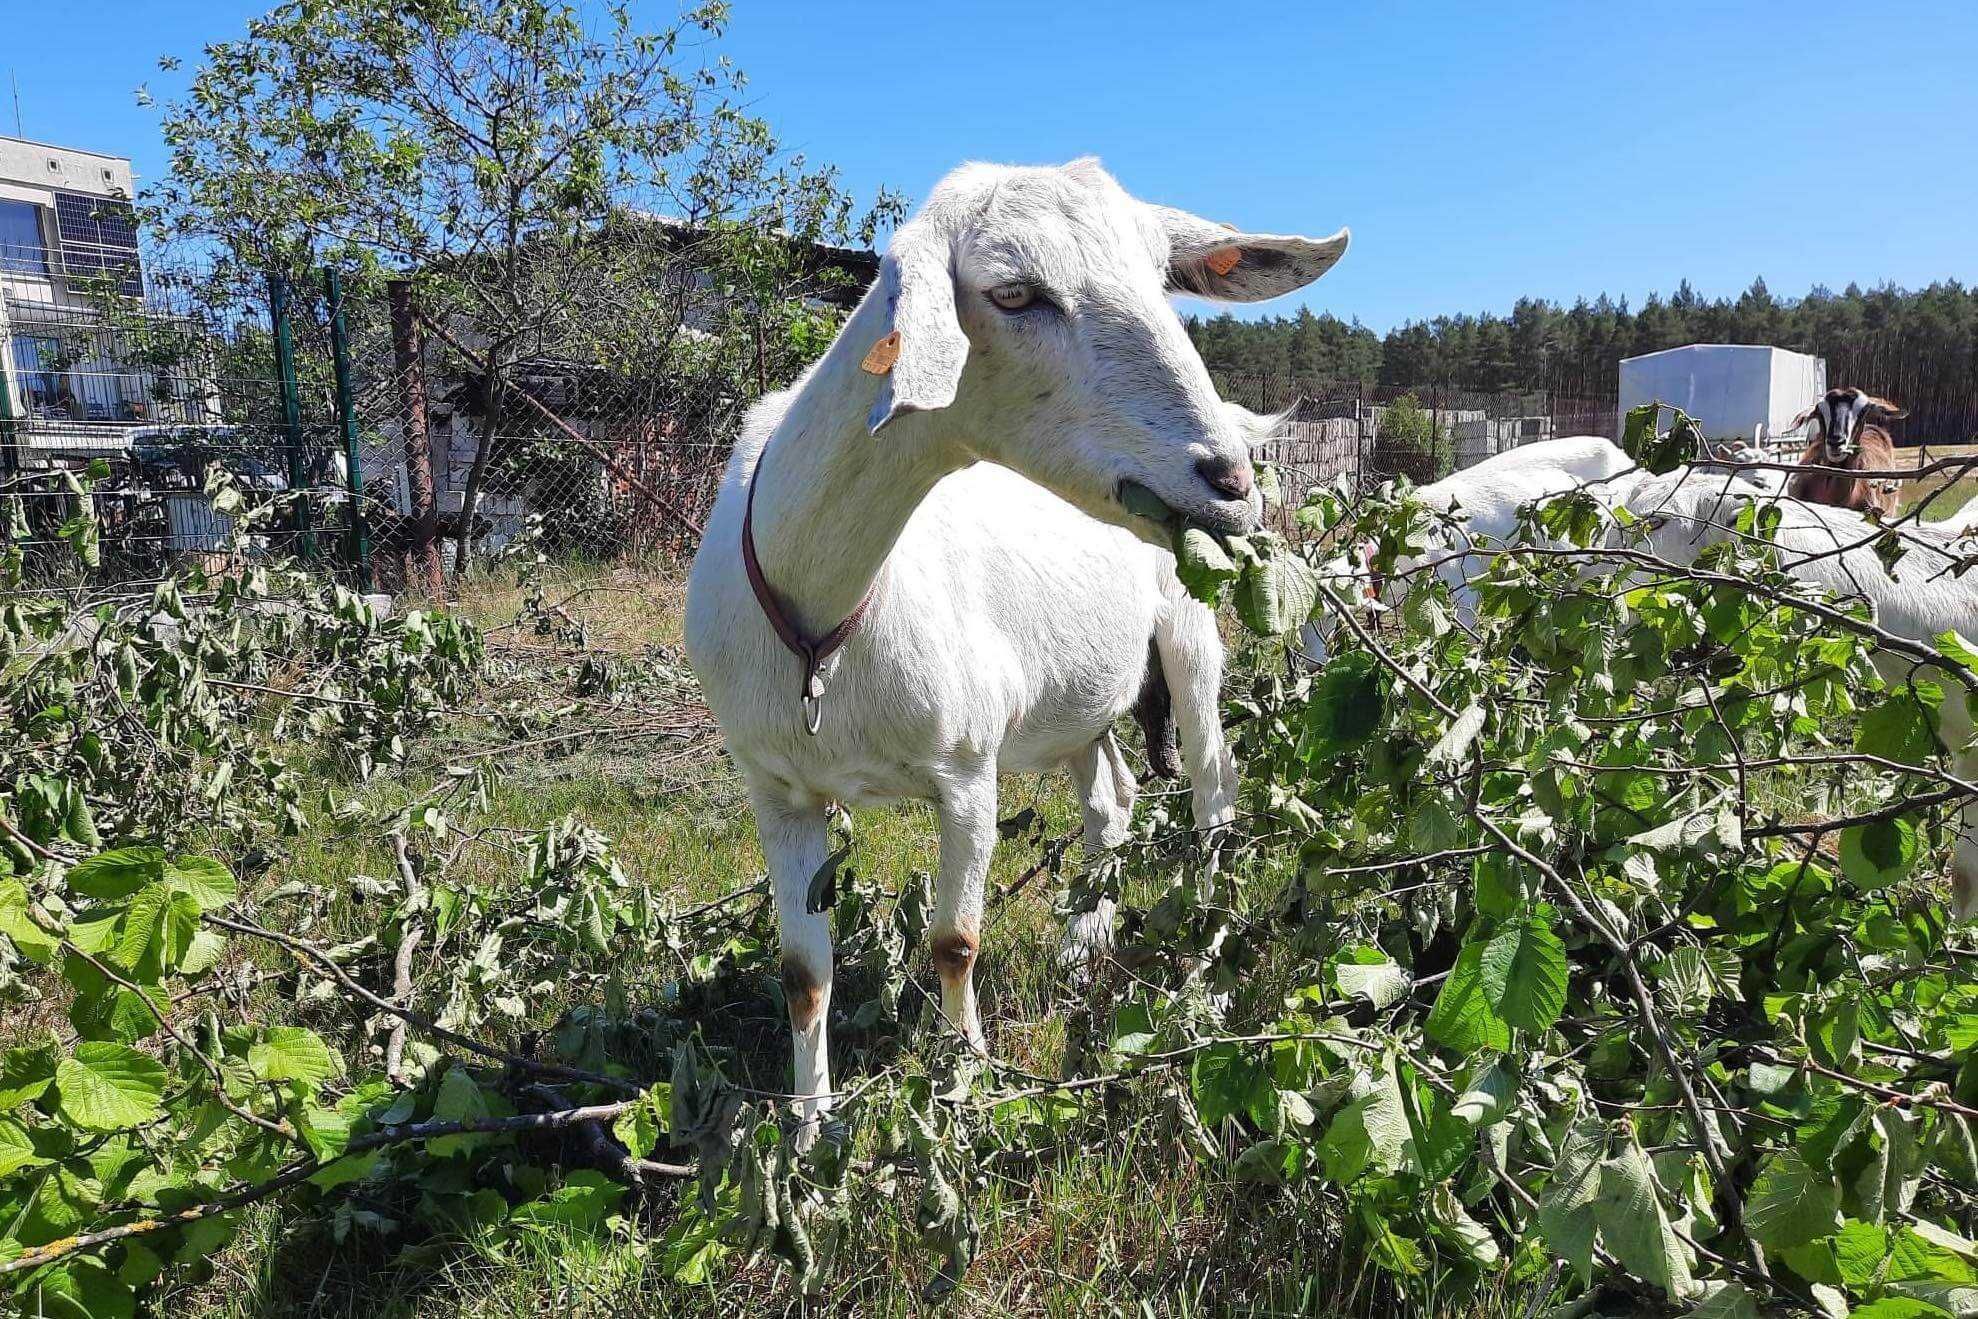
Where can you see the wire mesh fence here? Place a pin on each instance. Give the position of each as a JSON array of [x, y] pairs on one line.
[[1369, 433], [137, 388], [399, 434], [384, 432]]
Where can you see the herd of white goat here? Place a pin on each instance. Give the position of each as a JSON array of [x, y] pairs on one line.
[[941, 555], [1832, 551]]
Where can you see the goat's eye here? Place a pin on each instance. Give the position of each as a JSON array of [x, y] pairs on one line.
[[1013, 297]]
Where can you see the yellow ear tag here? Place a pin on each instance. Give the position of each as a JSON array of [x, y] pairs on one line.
[[884, 353], [1222, 260]]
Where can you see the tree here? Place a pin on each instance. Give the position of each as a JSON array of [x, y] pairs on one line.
[[479, 146], [1919, 347]]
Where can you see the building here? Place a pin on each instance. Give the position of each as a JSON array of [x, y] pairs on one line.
[[1733, 390], [73, 315]]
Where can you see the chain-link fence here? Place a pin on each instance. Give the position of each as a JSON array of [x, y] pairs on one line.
[[399, 433], [1370, 432], [194, 414]]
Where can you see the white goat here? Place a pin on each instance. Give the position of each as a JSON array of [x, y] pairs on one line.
[[1484, 500], [1020, 318], [1919, 601]]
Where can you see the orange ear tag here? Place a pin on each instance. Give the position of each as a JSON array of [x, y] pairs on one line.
[[884, 353], [1222, 260]]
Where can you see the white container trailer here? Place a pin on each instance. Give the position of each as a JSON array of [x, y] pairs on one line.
[[1731, 389]]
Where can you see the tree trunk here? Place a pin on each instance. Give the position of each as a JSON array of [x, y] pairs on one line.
[[422, 553], [493, 395]]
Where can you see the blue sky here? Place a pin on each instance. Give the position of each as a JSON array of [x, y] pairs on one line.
[[1479, 151]]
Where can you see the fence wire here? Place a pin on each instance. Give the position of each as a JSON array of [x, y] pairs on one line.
[[400, 435]]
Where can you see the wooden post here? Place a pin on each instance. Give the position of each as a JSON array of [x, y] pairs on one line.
[[422, 552]]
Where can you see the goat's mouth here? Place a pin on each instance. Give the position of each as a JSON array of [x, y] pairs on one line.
[[1229, 518]]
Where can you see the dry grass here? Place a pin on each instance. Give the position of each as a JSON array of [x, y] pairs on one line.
[[1947, 491]]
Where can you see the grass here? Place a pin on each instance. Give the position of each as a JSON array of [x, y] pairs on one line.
[[1119, 1220], [1947, 491]]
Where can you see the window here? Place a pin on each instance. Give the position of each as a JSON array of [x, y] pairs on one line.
[[22, 247], [44, 384]]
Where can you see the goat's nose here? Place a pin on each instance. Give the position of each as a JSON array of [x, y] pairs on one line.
[[1229, 477]]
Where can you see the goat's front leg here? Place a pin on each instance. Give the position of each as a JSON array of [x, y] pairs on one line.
[[968, 837], [793, 847], [1192, 655]]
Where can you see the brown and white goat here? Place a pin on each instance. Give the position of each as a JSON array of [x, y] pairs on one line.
[[1848, 432]]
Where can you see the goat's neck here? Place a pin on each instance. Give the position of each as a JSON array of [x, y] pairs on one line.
[[831, 498]]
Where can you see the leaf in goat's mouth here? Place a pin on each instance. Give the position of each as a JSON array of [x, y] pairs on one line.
[[1275, 589], [1142, 502]]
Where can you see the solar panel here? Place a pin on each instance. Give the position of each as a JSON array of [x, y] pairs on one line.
[[99, 240]]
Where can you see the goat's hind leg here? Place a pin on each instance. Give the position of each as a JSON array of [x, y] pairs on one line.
[[794, 846], [1106, 790]]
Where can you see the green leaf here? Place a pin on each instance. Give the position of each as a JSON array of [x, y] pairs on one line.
[[16, 1149], [108, 1086], [17, 922], [1633, 1224], [1655, 450], [291, 1053], [158, 927], [80, 1289], [1227, 1082], [460, 1099], [1463, 1017], [1727, 1300], [1132, 1029], [1859, 1249], [1376, 978], [108, 876], [1901, 726], [1899, 1307], [639, 1127], [1371, 1134], [1431, 826], [1523, 970], [1456, 739], [1202, 566], [1277, 593], [348, 1168], [1791, 1203], [1877, 854], [1565, 1212], [1471, 1239], [26, 1073], [582, 1203], [209, 883], [1345, 707], [1440, 1140]]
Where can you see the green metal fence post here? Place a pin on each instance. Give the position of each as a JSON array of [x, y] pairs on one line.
[[9, 460], [278, 311], [353, 458]]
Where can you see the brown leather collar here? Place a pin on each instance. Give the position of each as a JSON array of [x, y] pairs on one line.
[[811, 653]]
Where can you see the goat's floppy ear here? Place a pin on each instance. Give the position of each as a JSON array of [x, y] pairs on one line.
[[1215, 261], [1893, 411], [920, 357], [1803, 417]]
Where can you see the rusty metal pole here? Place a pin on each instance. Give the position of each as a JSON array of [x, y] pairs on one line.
[[422, 552]]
